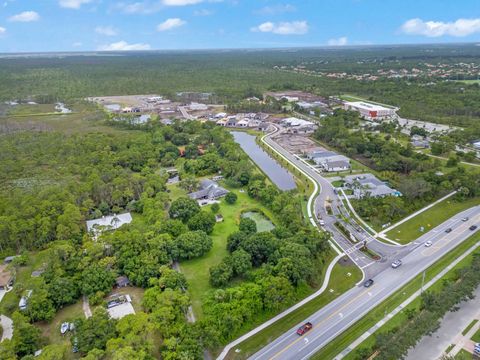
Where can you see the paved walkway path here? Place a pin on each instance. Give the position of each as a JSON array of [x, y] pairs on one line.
[[86, 307], [450, 332], [404, 304], [7, 325]]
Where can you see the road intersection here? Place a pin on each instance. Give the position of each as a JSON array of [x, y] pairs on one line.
[[337, 316]]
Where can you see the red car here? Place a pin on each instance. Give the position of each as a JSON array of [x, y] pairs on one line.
[[304, 328]]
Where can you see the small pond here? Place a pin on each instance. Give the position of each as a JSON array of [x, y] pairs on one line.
[[263, 223]]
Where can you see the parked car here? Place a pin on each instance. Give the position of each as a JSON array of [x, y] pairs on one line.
[[304, 328], [473, 227], [64, 327], [396, 263], [448, 230], [368, 283], [465, 219], [75, 345], [428, 243]]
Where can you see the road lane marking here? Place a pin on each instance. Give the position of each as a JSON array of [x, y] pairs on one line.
[[320, 323]]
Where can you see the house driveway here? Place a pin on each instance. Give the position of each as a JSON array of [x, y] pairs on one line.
[[7, 325]]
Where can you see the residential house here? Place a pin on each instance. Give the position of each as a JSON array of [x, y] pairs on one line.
[[106, 223], [209, 189], [7, 277], [122, 281]]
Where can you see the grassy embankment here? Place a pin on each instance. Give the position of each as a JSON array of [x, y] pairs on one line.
[[410, 230]]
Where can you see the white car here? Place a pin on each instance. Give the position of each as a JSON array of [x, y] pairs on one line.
[[428, 243], [396, 263]]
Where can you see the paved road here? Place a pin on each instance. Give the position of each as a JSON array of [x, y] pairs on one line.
[[338, 315]]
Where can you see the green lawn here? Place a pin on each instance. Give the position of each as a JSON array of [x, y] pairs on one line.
[[357, 329], [467, 329], [464, 355], [51, 330], [197, 270], [410, 230], [340, 282], [476, 336]]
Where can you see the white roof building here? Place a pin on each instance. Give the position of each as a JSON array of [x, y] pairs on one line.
[[293, 121], [197, 107], [111, 222], [369, 111]]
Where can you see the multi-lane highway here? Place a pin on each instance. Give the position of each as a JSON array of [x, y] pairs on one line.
[[338, 315]]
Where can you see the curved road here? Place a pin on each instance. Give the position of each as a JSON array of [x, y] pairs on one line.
[[337, 316]]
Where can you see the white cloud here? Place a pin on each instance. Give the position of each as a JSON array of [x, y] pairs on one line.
[[341, 41], [153, 6], [170, 24], [459, 28], [283, 28], [276, 9], [180, 2], [106, 30], [124, 46], [77, 44], [203, 12], [2, 30], [26, 16], [73, 4]]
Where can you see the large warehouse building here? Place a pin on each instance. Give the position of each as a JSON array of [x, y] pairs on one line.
[[369, 111]]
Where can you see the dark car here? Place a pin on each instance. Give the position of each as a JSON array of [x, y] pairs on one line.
[[304, 328], [448, 230], [368, 283], [473, 227]]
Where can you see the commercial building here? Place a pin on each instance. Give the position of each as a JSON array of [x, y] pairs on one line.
[[369, 185], [329, 161], [370, 111]]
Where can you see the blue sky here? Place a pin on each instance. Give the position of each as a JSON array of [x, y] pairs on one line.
[[84, 25]]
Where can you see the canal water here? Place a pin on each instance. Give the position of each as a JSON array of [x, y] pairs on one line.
[[277, 174]]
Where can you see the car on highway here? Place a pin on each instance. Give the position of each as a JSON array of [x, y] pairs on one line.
[[465, 219], [396, 263], [428, 243], [448, 230], [321, 222], [304, 328], [473, 227], [368, 283]]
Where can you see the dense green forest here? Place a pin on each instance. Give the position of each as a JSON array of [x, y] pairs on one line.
[[234, 75], [53, 182]]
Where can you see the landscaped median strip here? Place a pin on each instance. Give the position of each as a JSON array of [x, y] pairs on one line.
[[404, 304]]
